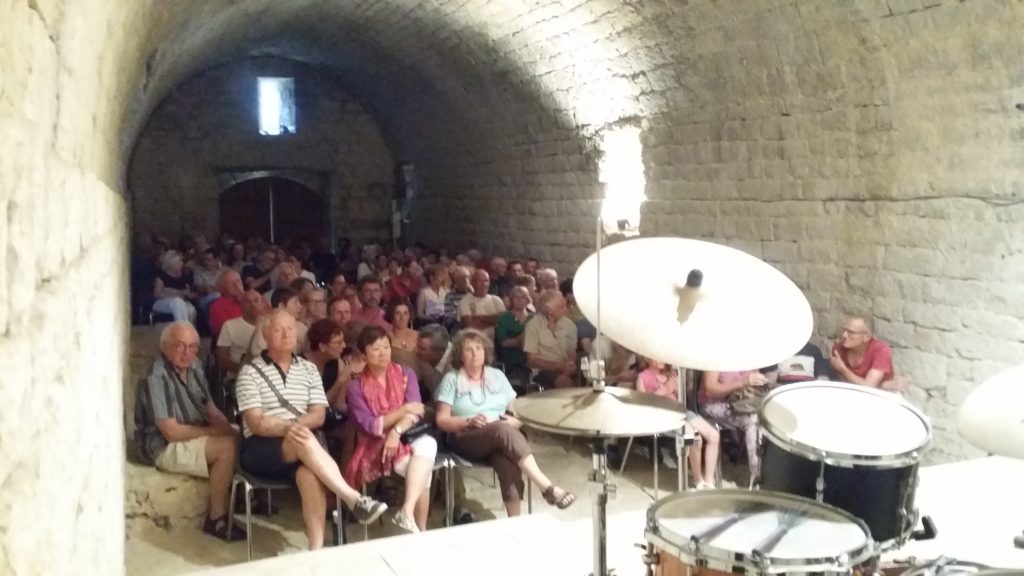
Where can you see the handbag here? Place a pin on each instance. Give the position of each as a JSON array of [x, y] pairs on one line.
[[418, 429], [320, 437]]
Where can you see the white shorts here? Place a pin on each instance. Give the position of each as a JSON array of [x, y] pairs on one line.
[[423, 447], [187, 457]]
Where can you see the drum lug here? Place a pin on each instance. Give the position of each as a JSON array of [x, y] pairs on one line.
[[650, 557]]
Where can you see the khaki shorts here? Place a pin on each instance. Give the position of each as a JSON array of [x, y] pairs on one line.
[[187, 457]]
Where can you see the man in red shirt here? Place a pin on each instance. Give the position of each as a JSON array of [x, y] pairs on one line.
[[229, 305], [404, 286], [859, 358]]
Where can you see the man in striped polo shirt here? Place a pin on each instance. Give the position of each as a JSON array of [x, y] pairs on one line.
[[282, 400], [179, 429]]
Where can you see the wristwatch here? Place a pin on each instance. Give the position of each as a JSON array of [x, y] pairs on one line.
[[398, 429]]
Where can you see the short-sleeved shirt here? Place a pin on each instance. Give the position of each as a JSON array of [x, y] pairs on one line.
[[552, 345], [165, 394], [508, 326], [223, 309], [451, 304], [301, 386], [489, 305], [433, 302], [491, 399], [878, 356], [236, 335]]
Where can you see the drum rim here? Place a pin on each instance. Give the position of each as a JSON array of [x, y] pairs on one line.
[[726, 560], [842, 458]]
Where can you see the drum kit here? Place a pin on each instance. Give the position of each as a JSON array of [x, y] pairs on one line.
[[839, 463]]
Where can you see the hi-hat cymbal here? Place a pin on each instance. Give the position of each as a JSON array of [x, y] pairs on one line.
[[992, 416], [694, 304], [610, 413]]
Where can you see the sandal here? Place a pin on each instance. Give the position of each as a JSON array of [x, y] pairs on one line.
[[561, 503], [219, 528]]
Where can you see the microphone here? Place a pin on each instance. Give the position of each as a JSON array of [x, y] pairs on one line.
[[689, 295]]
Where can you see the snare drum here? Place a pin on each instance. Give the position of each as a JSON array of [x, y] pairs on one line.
[[725, 532], [851, 446], [941, 566]]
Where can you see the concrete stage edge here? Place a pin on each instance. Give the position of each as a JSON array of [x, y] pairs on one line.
[[977, 506]]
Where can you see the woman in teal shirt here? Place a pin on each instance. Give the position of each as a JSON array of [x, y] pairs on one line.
[[508, 333], [472, 404]]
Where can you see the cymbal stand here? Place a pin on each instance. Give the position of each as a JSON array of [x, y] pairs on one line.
[[683, 443], [601, 491]]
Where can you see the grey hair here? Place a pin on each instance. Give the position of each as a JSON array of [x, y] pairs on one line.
[[437, 335], [169, 329], [544, 272], [546, 298], [517, 289], [167, 258]]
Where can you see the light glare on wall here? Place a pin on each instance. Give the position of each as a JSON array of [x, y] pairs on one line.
[[277, 106], [622, 171]]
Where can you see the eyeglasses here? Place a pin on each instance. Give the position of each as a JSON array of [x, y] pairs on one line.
[[183, 346]]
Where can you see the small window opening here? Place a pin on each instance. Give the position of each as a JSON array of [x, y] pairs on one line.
[[277, 106]]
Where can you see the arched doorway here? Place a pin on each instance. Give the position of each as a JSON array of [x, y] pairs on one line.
[[276, 209]]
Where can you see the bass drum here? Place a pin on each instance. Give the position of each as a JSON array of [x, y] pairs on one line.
[[850, 446], [725, 532]]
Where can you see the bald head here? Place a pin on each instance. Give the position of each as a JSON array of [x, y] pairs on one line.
[[481, 282], [230, 284], [179, 343]]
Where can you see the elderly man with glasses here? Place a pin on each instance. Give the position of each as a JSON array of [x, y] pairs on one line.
[[179, 429], [860, 358]]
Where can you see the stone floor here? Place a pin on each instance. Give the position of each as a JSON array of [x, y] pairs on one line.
[[153, 550]]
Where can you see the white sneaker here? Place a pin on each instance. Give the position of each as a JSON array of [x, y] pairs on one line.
[[705, 486], [668, 459], [405, 523]]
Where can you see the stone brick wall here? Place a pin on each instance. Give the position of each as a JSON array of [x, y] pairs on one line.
[[869, 148], [62, 280], [209, 125]]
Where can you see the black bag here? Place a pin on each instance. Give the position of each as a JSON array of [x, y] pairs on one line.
[[418, 429]]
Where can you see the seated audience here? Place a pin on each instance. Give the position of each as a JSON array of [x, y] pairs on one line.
[[530, 283], [405, 285], [547, 279], [431, 299], [236, 257], [236, 336], [717, 401], [370, 299], [500, 282], [179, 429], [284, 274], [430, 359], [400, 317], [452, 300], [326, 343], [282, 401], [480, 310], [531, 266], [337, 284], [172, 289], [339, 309], [287, 300], [205, 276], [508, 332], [472, 406], [549, 341], [257, 276], [384, 400], [314, 305], [351, 293], [860, 358], [663, 380], [229, 304]]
